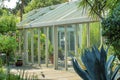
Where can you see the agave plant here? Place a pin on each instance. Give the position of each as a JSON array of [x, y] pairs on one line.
[[98, 67]]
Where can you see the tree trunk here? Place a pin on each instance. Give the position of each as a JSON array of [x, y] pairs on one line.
[[21, 10], [8, 65]]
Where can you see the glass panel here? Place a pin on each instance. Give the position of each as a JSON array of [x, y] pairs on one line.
[[57, 13], [31, 16]]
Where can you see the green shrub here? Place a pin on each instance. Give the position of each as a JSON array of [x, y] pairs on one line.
[[7, 23], [1, 62], [2, 73], [8, 46], [111, 29], [21, 75]]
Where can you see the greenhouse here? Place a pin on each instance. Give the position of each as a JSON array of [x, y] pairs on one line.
[[62, 25]]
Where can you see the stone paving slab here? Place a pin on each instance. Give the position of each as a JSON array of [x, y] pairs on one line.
[[50, 73]]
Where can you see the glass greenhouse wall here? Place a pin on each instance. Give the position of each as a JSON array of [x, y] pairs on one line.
[[65, 26]]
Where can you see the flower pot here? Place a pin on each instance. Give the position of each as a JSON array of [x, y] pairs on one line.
[[19, 62], [51, 59]]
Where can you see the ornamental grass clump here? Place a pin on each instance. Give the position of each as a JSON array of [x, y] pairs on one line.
[[98, 67]]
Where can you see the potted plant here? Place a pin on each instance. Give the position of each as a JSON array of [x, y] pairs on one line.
[[19, 62], [51, 55], [60, 54]]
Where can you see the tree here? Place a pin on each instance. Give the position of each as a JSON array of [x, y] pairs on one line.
[[2, 3], [7, 24], [102, 9], [8, 45], [3, 11], [98, 8], [111, 29], [7, 30]]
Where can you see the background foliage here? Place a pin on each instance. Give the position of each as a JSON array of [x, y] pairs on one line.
[[94, 35], [35, 4], [108, 11], [7, 23], [111, 29], [7, 43]]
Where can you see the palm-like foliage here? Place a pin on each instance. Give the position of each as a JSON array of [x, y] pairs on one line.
[[109, 13], [98, 7], [97, 65]]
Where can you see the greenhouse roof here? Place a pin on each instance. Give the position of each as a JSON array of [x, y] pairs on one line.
[[62, 14]]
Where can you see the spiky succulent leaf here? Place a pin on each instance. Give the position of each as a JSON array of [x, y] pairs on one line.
[[99, 67], [98, 70], [109, 65], [110, 61], [115, 72], [79, 71], [96, 66], [103, 58], [89, 62], [96, 52]]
